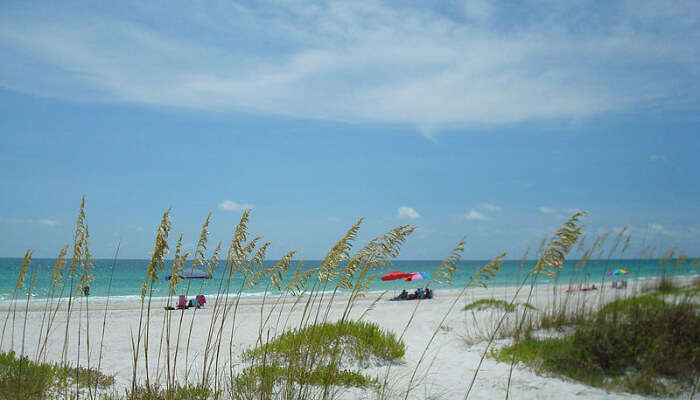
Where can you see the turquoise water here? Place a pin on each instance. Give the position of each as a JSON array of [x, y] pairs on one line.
[[129, 275]]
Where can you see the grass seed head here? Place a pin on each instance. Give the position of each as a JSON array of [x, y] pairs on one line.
[[26, 260], [57, 273], [159, 251], [445, 271]]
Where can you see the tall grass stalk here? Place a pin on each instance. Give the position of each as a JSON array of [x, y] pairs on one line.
[[84, 282], [48, 315], [104, 317], [178, 263], [486, 273], [199, 260], [77, 261], [550, 262], [19, 286], [154, 266], [24, 327]]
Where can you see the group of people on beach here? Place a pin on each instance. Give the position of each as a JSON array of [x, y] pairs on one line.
[[182, 304], [581, 288], [418, 294], [615, 285]]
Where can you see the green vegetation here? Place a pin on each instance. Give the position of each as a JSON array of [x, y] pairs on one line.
[[640, 344], [484, 304], [257, 380], [22, 378], [362, 340], [153, 392], [315, 355]]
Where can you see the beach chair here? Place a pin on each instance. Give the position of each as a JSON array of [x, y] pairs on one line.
[[182, 302]]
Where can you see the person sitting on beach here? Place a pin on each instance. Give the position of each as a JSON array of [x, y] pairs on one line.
[[428, 293], [402, 296], [585, 289]]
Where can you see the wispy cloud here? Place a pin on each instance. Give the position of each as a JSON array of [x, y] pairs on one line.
[[49, 222], [474, 215], [45, 222], [656, 228], [546, 210], [333, 219], [657, 157], [489, 207], [422, 233], [408, 213], [228, 205], [479, 212], [363, 61]]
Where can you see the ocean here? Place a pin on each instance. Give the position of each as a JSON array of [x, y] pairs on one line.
[[128, 276]]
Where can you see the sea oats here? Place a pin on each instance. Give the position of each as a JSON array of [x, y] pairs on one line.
[[487, 272], [559, 246], [447, 268], [57, 272]]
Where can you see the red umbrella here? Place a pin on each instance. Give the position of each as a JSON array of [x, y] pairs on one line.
[[393, 275]]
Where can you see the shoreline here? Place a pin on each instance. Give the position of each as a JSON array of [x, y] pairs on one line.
[[133, 301]]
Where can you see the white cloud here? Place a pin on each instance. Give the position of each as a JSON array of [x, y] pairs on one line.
[[475, 215], [228, 205], [546, 210], [423, 233], [49, 222], [333, 219], [489, 207], [364, 61], [139, 229], [657, 157], [656, 227], [408, 212]]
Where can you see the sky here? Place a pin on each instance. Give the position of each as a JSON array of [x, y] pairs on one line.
[[464, 118]]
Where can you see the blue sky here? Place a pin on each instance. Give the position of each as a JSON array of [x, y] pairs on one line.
[[465, 118]]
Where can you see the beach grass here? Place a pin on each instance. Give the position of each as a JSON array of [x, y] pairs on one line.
[[363, 340], [640, 344], [23, 378], [630, 342], [484, 304]]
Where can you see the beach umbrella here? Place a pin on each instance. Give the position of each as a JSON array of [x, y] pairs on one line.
[[416, 276], [619, 271], [393, 275]]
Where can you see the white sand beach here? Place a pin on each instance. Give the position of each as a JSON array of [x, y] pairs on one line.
[[445, 372]]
